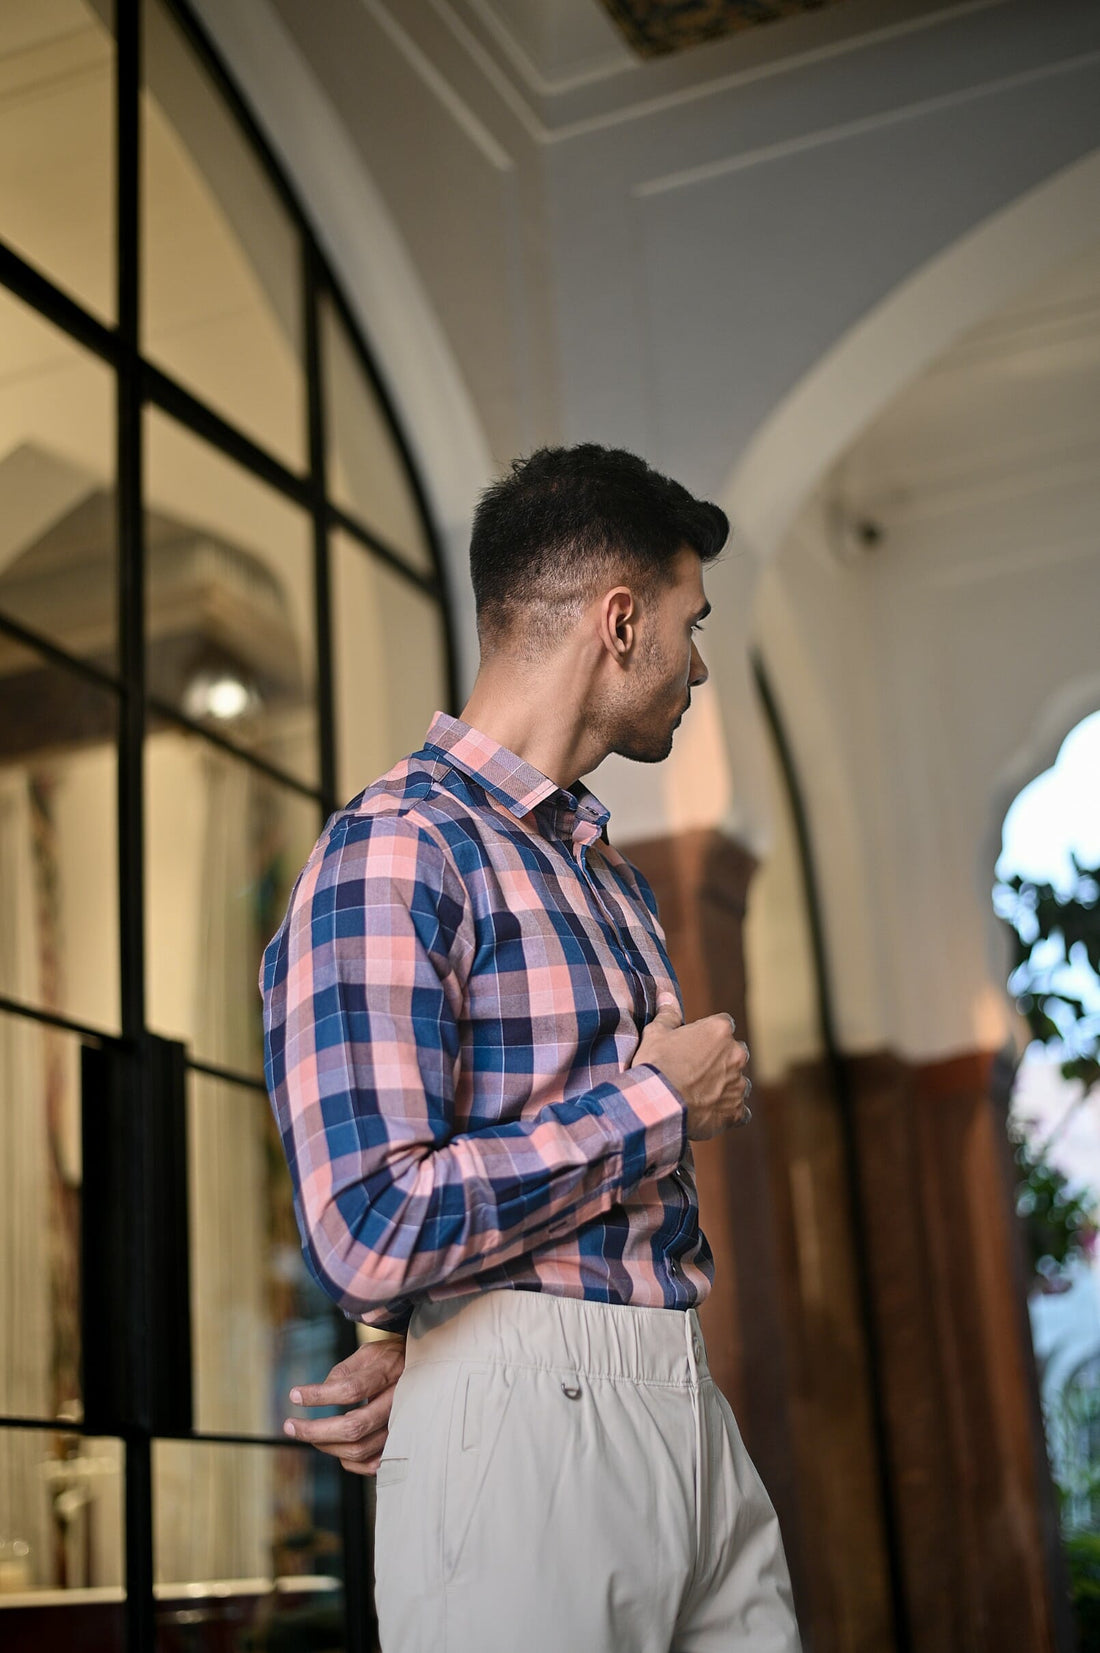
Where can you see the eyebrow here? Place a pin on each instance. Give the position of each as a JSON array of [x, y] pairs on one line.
[[702, 613]]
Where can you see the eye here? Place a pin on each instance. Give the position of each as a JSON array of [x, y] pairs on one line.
[[697, 625]]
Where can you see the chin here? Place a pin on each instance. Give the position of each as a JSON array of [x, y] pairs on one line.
[[646, 751]]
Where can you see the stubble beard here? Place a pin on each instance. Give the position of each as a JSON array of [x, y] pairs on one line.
[[640, 726]]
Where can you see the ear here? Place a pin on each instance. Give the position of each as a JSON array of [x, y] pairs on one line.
[[617, 620]]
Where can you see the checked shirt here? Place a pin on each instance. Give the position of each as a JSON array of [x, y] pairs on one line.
[[451, 1005]]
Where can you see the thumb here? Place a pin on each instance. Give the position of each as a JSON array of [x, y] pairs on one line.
[[668, 1010]]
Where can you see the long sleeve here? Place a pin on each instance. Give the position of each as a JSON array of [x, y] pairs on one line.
[[363, 998]]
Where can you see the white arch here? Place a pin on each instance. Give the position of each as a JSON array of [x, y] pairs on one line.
[[877, 357], [353, 223]]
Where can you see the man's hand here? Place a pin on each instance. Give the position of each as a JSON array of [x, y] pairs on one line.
[[705, 1063], [365, 1381]]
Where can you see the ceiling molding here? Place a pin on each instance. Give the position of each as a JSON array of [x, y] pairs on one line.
[[535, 110], [655, 28], [542, 86], [440, 87], [505, 89], [844, 130]]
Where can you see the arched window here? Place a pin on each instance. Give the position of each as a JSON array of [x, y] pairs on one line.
[[221, 615]]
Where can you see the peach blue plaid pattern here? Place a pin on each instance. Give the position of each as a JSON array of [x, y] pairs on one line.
[[451, 1004]]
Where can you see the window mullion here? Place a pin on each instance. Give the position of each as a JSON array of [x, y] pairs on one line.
[[140, 1614]]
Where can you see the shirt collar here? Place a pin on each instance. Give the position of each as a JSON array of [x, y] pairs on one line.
[[517, 784]]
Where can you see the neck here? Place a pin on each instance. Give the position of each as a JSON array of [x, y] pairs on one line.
[[543, 718]]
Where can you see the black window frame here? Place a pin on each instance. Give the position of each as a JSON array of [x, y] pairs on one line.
[[140, 384]]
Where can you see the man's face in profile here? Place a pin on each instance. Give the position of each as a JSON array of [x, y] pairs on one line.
[[656, 691]]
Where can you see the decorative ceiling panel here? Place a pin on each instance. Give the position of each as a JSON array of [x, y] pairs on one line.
[[657, 26]]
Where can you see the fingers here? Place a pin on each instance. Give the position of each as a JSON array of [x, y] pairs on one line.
[[334, 1391], [668, 1010], [368, 1372], [744, 1112], [347, 1428], [362, 1457]]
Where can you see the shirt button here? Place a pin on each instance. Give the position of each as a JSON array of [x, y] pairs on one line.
[[697, 1348]]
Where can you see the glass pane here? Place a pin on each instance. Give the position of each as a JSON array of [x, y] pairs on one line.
[[57, 183], [61, 1542], [248, 1548], [58, 840], [366, 473], [40, 1182], [258, 1322], [229, 605], [57, 499], [390, 667], [221, 293], [223, 845]]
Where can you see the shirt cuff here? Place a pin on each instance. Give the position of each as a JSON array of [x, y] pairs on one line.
[[649, 1119]]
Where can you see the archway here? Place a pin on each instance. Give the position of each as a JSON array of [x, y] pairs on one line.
[[825, 412]]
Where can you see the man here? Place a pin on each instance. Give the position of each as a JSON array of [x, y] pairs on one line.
[[487, 1096]]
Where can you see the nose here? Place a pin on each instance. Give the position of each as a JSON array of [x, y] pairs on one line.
[[699, 673]]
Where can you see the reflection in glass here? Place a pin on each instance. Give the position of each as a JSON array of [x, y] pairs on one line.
[[221, 292], [229, 605], [57, 466], [366, 473], [223, 847], [252, 1533], [258, 1322], [389, 664], [57, 195], [40, 1178], [61, 1514], [58, 840]]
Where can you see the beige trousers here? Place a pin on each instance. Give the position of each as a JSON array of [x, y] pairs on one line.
[[566, 1477]]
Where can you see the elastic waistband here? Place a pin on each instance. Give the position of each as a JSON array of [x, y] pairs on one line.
[[570, 1334]]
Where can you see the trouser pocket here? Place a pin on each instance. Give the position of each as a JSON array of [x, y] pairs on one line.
[[478, 1409]]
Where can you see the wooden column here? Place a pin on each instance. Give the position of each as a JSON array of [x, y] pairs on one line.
[[973, 1494], [847, 1604], [972, 1500]]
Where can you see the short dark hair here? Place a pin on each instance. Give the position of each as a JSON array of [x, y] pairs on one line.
[[564, 518]]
